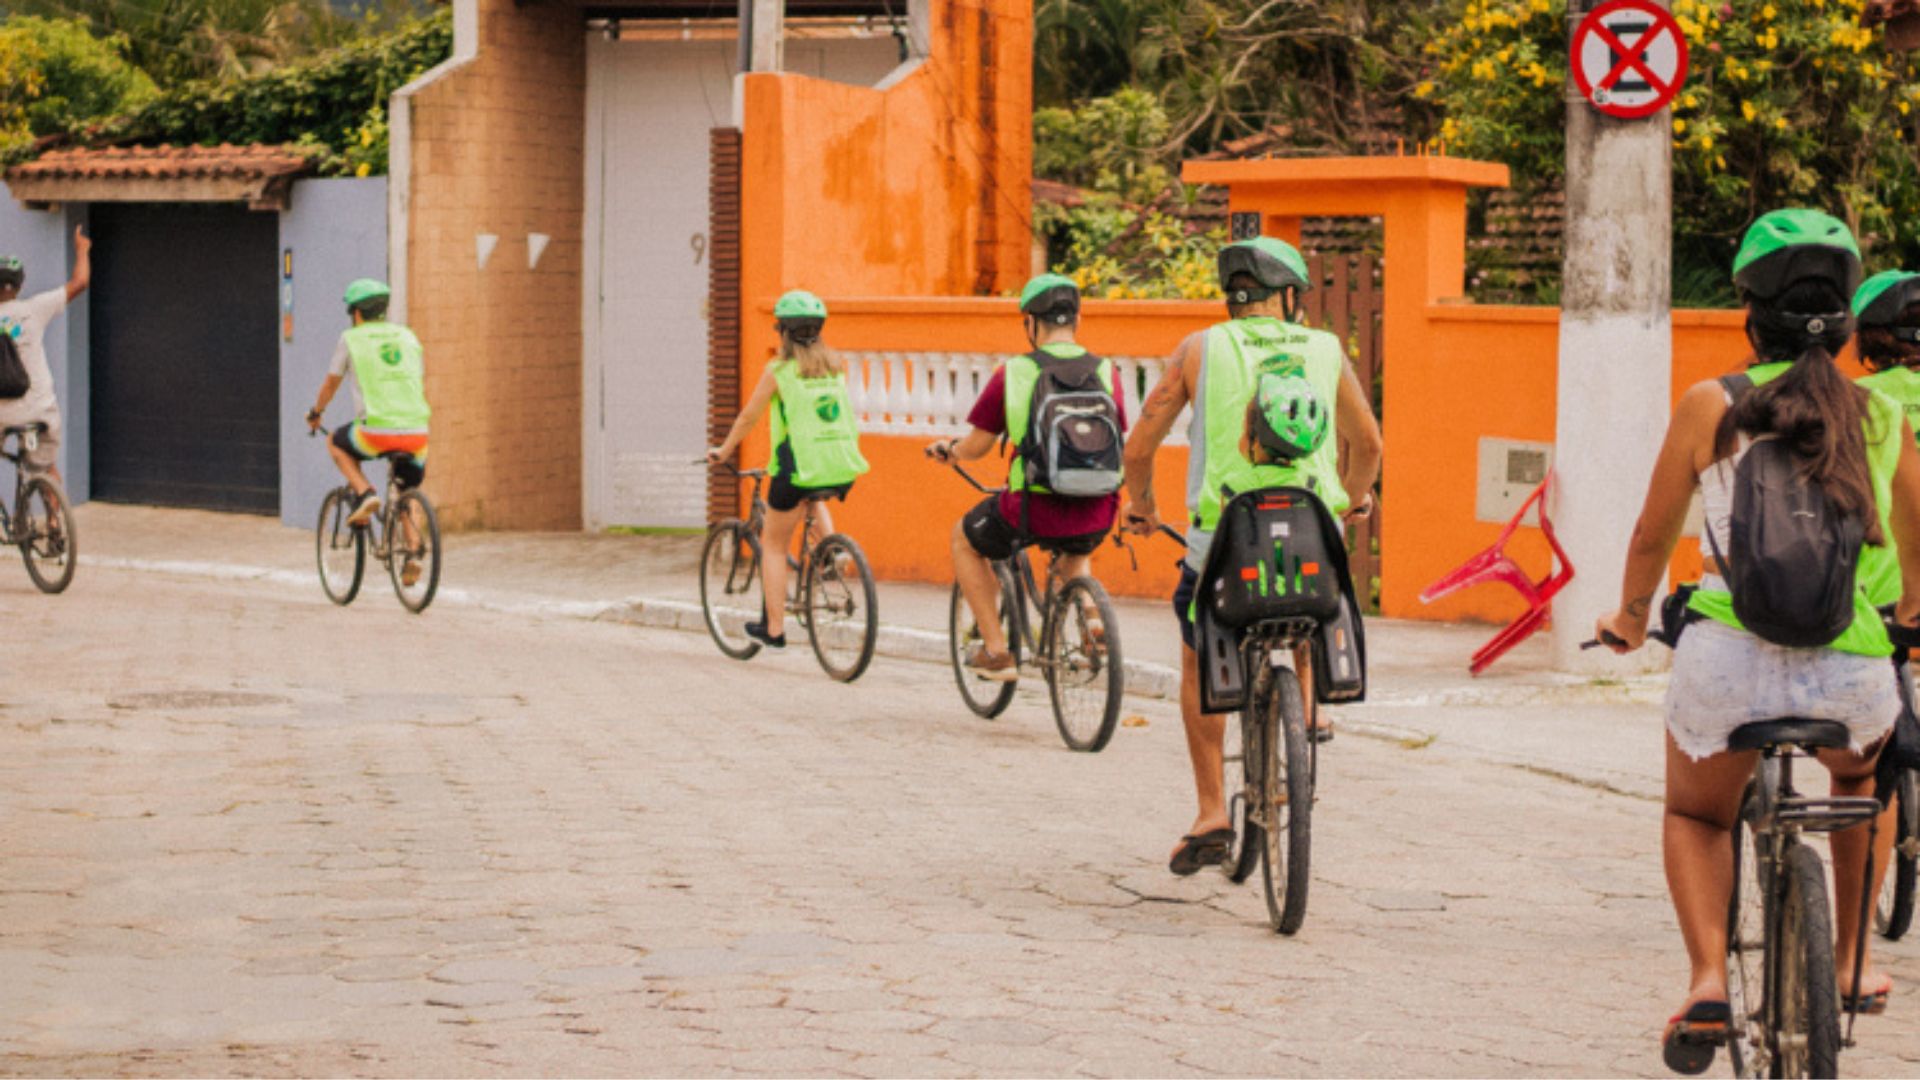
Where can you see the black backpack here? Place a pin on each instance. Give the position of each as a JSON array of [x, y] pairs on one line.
[[1072, 444], [1791, 555], [13, 372]]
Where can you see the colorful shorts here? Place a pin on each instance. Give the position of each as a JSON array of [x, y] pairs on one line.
[[408, 447]]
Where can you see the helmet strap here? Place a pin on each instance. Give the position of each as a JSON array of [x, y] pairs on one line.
[[1249, 294]]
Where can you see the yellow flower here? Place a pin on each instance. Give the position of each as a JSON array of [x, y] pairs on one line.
[[1679, 127], [1706, 142], [1767, 13], [366, 136], [363, 170], [1423, 90], [1780, 122], [1720, 160], [1905, 108], [1747, 110], [1484, 70], [1504, 55], [1542, 6]]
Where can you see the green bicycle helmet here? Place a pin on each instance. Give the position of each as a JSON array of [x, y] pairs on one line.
[[1287, 417], [1785, 247], [1275, 264], [1884, 296], [1051, 298], [12, 271], [364, 289], [800, 304]]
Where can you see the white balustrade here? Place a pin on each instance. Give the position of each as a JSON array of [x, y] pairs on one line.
[[931, 393]]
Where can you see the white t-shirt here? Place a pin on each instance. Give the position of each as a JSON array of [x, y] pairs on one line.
[[26, 321], [341, 367]]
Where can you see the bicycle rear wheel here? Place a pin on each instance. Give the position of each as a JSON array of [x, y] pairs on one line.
[[1893, 916], [728, 590], [843, 620], [48, 542], [1806, 1031], [413, 550], [340, 549], [1241, 759], [1085, 673], [985, 697], [1286, 801]]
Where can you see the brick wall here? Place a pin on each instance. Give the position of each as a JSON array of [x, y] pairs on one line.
[[498, 147], [723, 309]]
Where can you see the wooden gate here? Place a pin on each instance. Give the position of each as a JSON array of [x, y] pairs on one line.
[[1346, 300]]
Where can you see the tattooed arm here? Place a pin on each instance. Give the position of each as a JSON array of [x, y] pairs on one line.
[[1157, 416]]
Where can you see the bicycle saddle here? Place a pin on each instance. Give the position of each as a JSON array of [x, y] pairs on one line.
[[1791, 730]]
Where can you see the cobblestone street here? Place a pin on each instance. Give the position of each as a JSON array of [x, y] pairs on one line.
[[243, 831]]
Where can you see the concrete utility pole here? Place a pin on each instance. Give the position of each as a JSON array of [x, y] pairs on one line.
[[769, 35], [1616, 356]]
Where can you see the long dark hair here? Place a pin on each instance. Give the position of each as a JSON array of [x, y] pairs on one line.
[[1811, 407]]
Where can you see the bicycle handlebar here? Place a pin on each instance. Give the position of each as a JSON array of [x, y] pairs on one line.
[[736, 470], [968, 477]]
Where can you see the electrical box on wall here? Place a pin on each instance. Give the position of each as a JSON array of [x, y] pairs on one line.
[[1509, 471]]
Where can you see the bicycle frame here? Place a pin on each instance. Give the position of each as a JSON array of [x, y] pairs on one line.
[[18, 456], [1015, 573], [756, 524]]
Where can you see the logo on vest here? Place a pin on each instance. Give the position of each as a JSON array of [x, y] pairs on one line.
[[827, 409], [391, 355], [1282, 364]]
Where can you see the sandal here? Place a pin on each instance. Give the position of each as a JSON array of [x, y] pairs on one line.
[[1869, 1003], [1200, 849], [1693, 1035]]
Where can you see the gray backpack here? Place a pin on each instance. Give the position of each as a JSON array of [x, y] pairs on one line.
[[1072, 445], [1791, 554]]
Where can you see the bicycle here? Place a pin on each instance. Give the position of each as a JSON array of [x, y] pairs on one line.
[[831, 591], [1893, 910], [406, 515], [1051, 632], [46, 537], [1782, 995]]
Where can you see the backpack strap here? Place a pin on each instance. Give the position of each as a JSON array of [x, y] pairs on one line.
[[1737, 386]]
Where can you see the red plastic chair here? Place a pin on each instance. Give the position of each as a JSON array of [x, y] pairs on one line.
[[1495, 565]]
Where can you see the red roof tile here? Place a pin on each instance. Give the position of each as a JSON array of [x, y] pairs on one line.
[[166, 163]]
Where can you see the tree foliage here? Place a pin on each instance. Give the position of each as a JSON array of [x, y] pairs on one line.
[[55, 76]]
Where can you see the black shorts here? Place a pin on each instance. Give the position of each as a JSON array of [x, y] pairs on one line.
[[996, 538], [1183, 602], [409, 469], [783, 495]]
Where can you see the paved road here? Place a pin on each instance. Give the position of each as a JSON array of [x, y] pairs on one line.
[[242, 831]]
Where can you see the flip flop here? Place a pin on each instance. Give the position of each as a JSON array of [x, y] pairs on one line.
[[1321, 733], [1870, 1003], [1693, 1035], [1201, 849]]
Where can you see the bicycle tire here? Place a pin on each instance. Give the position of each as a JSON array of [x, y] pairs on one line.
[[1244, 854], [348, 545], [1807, 1023], [1893, 914], [1748, 911], [984, 697], [413, 505], [58, 549], [1287, 836], [723, 566], [827, 587], [1103, 663]]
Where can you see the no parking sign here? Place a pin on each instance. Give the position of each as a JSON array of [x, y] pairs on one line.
[[1629, 58]]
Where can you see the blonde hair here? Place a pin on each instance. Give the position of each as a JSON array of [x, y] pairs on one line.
[[816, 359]]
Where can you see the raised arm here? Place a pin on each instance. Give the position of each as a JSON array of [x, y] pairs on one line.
[[82, 264]]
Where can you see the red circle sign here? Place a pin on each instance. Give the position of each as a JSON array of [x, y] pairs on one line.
[[1629, 58]]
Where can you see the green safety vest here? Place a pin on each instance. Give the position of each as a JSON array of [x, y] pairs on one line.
[[1022, 374], [1868, 634], [814, 419], [1879, 564], [387, 368], [1238, 352]]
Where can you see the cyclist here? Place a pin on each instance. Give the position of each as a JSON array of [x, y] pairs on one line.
[[389, 402], [1216, 371], [816, 444], [1070, 527], [1795, 270], [26, 321], [1887, 309]]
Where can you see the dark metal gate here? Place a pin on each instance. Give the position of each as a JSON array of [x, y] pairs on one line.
[[185, 356], [1346, 301]]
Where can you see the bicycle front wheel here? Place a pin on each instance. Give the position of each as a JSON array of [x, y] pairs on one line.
[[340, 549], [1286, 801], [1806, 1027], [986, 698], [1085, 676], [1893, 916], [413, 550], [48, 542], [843, 618], [728, 571]]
